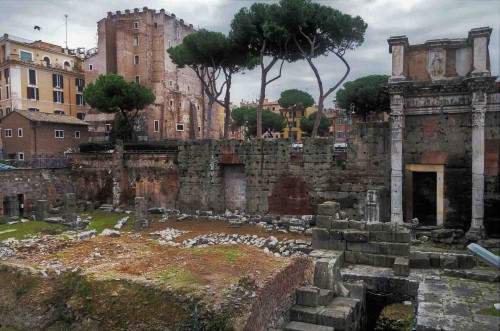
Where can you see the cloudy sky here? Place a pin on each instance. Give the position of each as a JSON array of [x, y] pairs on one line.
[[419, 20]]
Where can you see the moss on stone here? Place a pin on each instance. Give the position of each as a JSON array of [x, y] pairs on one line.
[[396, 317]]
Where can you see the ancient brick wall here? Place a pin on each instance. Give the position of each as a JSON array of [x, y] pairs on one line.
[[275, 296]]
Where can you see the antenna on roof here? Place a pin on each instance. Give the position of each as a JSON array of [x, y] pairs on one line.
[[66, 16]]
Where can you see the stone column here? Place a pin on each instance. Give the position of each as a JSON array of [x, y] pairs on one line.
[[70, 208], [372, 206], [397, 125], [141, 212], [478, 87], [41, 210], [398, 46], [117, 172]]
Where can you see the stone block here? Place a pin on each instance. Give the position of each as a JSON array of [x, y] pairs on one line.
[[41, 210], [449, 261], [305, 314], [329, 208], [420, 260], [435, 260], [335, 234], [380, 236], [320, 234], [385, 261], [300, 326], [402, 266], [374, 226], [398, 249], [466, 261], [357, 225], [324, 222], [389, 226], [402, 236], [339, 317], [307, 296], [340, 224], [357, 236]]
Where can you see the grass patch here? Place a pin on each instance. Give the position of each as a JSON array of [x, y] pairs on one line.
[[21, 230], [177, 278], [490, 311], [227, 254], [102, 219]]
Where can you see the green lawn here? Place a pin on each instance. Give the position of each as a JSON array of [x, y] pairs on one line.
[[21, 230], [100, 220], [104, 219]]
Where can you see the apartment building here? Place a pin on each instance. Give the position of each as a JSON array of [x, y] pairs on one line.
[[134, 44], [41, 77]]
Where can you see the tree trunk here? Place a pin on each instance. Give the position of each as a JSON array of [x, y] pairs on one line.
[[321, 99], [227, 108], [208, 129]]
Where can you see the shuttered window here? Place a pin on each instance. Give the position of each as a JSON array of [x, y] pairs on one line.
[[33, 93], [57, 81], [32, 76]]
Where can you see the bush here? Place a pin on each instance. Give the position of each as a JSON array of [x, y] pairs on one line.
[[151, 146]]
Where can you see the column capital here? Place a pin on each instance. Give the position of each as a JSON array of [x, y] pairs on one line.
[[481, 84]]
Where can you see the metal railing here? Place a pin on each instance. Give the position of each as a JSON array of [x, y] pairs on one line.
[[39, 162]]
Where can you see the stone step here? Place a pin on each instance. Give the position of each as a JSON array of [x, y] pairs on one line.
[[340, 317], [483, 275], [300, 326], [313, 296], [327, 268], [305, 314]]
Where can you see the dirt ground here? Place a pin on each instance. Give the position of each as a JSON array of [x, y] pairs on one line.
[[209, 273]]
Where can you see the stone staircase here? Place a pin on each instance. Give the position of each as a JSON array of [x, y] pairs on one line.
[[326, 306]]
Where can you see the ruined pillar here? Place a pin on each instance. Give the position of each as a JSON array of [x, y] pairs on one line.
[[480, 38], [41, 210], [70, 208], [117, 172], [141, 212], [372, 206]]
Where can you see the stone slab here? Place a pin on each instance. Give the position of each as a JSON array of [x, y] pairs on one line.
[[300, 326], [356, 236], [305, 314]]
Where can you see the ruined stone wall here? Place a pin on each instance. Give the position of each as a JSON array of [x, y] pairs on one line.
[[36, 184], [280, 181]]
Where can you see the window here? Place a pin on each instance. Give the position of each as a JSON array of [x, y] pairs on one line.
[[26, 56], [33, 109], [7, 92], [340, 121], [178, 33], [33, 93], [199, 129], [157, 126], [188, 88], [179, 127], [58, 111], [137, 79], [46, 59], [8, 133], [31, 77], [80, 116], [136, 40], [79, 100], [156, 25], [7, 110], [180, 104], [20, 132], [59, 133], [340, 134], [171, 103], [80, 83], [6, 74], [170, 83], [67, 64], [58, 96], [1, 113], [20, 156], [136, 25], [198, 107], [169, 44], [57, 81], [136, 59], [77, 134], [91, 67], [108, 127], [0, 92]]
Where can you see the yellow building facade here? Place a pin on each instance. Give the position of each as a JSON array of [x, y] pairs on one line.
[[39, 76]]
